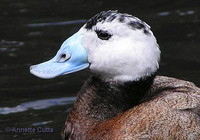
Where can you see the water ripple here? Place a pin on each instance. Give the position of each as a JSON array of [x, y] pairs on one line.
[[57, 23], [180, 13], [37, 105], [41, 123]]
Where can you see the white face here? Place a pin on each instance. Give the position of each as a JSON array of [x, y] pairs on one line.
[[128, 55]]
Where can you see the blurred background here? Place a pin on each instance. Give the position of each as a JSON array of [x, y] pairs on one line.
[[32, 31]]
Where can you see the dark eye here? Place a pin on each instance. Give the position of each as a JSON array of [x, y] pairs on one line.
[[104, 35]]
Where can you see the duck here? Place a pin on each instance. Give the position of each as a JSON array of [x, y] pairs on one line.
[[124, 98]]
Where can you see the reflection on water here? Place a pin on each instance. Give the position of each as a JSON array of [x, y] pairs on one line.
[[32, 32], [57, 23], [41, 123], [190, 12], [37, 105], [10, 47]]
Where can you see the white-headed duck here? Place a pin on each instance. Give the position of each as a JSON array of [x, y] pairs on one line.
[[123, 99]]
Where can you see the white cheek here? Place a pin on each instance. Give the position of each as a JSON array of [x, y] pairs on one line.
[[130, 56], [111, 56]]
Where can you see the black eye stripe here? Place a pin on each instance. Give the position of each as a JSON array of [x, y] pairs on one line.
[[104, 35]]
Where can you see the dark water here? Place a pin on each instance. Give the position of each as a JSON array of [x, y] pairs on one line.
[[32, 32]]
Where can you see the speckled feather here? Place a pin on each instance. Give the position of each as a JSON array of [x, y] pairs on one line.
[[109, 16]]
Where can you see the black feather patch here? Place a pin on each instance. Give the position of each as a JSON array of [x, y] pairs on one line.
[[139, 25], [109, 16], [100, 17], [121, 18]]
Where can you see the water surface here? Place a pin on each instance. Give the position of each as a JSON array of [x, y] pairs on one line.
[[32, 32]]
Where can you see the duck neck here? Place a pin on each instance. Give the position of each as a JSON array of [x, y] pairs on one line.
[[99, 100], [102, 100]]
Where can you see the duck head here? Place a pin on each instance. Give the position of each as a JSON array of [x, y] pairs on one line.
[[116, 46]]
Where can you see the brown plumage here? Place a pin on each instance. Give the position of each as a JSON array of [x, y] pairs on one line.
[[168, 110]]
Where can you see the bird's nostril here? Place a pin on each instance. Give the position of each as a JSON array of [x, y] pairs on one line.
[[64, 57]]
